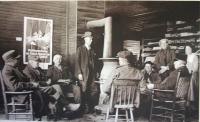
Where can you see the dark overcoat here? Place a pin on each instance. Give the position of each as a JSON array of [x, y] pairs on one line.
[[85, 65], [35, 75], [170, 82], [165, 58], [153, 77], [14, 79], [55, 74]]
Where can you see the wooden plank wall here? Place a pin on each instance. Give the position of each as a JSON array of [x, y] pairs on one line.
[[140, 19], [12, 18]]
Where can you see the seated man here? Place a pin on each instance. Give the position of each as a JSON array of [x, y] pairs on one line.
[[124, 71], [14, 79], [150, 76], [170, 82], [35, 74]]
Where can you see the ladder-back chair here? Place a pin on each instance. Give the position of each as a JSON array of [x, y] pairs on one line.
[[124, 96], [173, 107], [14, 110]]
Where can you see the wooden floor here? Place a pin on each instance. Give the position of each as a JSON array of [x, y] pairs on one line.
[[91, 118]]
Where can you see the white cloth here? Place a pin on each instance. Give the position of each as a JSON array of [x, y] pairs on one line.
[[192, 62]]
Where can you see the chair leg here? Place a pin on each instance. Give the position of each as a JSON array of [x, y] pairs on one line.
[[6, 111], [132, 117], [151, 110], [107, 115], [172, 116], [127, 119], [13, 107], [116, 114], [31, 107]]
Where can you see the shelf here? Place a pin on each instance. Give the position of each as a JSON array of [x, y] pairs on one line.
[[151, 45], [151, 51], [180, 44], [152, 39], [181, 37], [179, 31]]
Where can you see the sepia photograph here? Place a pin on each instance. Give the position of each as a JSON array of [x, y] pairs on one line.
[[99, 61]]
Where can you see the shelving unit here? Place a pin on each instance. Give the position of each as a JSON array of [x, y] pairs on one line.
[[179, 33]]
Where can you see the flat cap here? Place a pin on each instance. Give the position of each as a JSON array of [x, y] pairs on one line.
[[87, 34], [11, 54], [125, 54]]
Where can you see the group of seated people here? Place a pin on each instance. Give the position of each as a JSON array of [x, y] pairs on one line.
[[160, 74], [56, 86], [58, 82]]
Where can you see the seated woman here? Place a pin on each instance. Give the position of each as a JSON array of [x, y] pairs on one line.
[[57, 74]]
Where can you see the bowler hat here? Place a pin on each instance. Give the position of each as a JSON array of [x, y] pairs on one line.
[[87, 34], [11, 54], [125, 54]]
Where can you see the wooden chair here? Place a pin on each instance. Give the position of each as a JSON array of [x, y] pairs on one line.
[[13, 109], [124, 96], [172, 107]]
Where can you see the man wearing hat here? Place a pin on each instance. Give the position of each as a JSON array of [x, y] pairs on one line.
[[52, 92], [150, 76], [125, 70], [35, 74], [14, 79], [170, 82], [85, 71]]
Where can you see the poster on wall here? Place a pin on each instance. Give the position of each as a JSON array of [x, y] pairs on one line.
[[38, 40]]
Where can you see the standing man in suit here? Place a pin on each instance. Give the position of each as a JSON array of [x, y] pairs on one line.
[[86, 72]]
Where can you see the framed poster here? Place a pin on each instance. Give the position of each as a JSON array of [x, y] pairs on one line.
[[38, 40]]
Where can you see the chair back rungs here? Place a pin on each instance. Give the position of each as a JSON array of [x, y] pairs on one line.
[[124, 96], [171, 104], [14, 110]]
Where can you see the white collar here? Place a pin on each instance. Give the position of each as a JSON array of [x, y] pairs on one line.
[[88, 47]]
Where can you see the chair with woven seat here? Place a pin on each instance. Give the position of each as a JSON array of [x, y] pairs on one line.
[[124, 97], [173, 107], [23, 111]]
